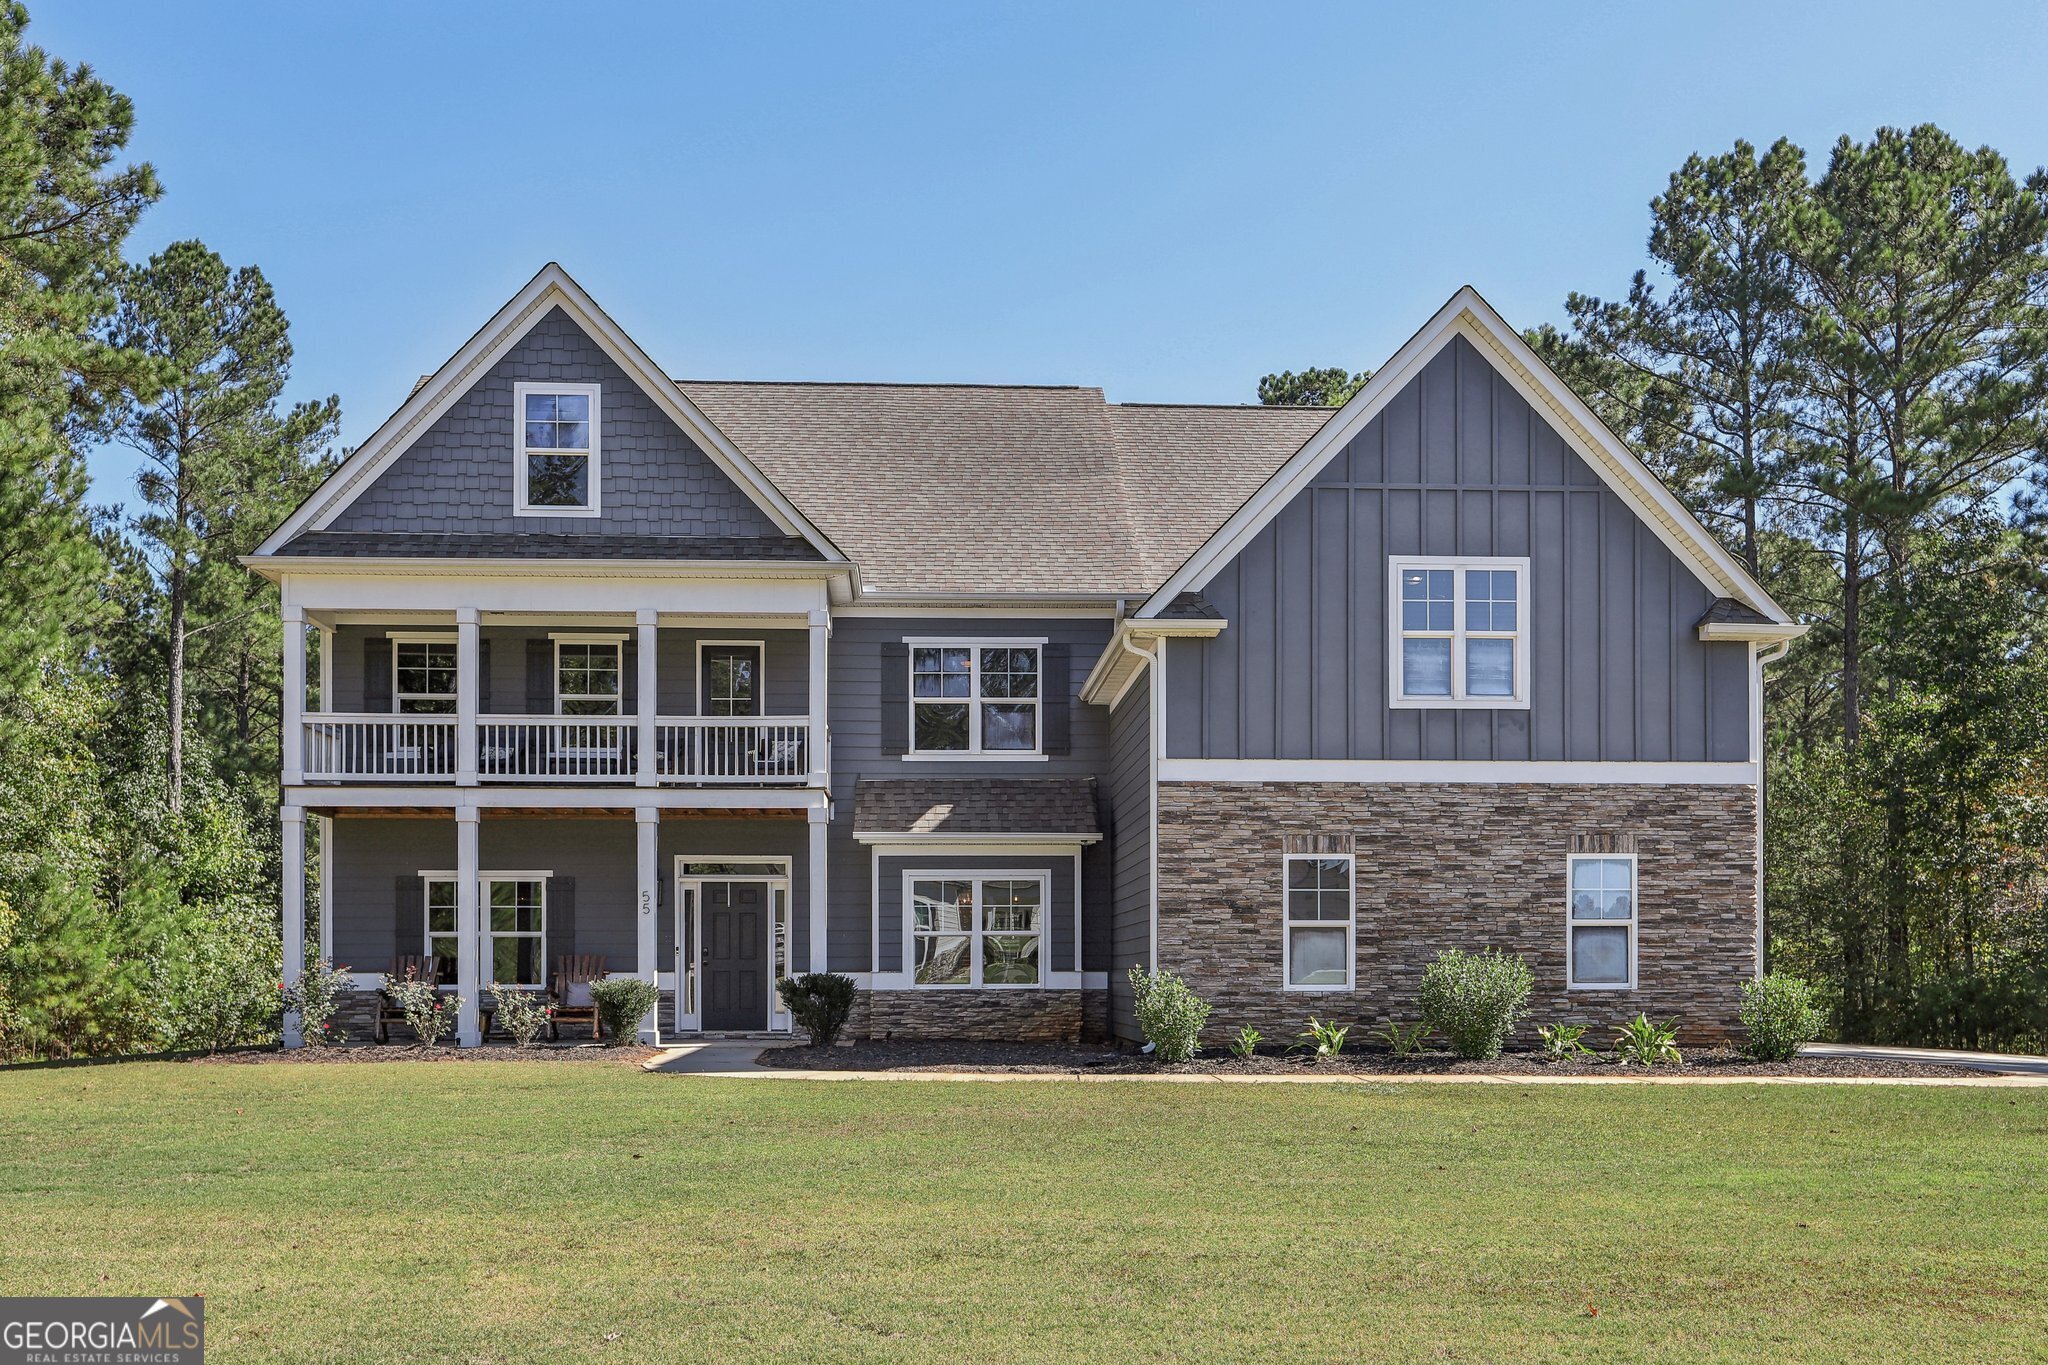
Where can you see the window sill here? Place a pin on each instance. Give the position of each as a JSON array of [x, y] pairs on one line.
[[1320, 990], [972, 756], [557, 511], [1458, 704], [990, 986], [1606, 989]]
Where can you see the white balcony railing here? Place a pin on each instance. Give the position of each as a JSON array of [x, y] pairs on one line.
[[380, 748], [740, 749], [556, 748]]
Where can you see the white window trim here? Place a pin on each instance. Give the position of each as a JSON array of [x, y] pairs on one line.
[[760, 648], [520, 506], [1632, 924], [974, 752], [1289, 924], [1457, 700], [419, 637], [1043, 876], [484, 933], [687, 979]]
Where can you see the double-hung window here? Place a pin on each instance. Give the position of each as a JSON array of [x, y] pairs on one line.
[[1601, 922], [1320, 914], [512, 936], [423, 677], [557, 472], [586, 678], [1459, 632], [974, 697], [441, 935], [968, 930]]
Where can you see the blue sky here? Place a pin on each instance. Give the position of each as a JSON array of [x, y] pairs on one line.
[[1165, 200]]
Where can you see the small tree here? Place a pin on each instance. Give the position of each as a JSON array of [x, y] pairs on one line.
[[1473, 999], [1169, 1013]]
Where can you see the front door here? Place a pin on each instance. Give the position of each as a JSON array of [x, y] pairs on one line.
[[735, 947]]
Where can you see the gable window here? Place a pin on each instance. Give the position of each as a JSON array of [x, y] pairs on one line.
[[1601, 922], [557, 444], [974, 697], [1459, 632], [586, 678], [512, 933], [968, 930], [1320, 916], [423, 676]]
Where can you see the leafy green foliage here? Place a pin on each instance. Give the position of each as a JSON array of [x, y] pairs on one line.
[[1329, 387], [1563, 1041], [1170, 1014], [522, 1014], [1646, 1044], [1245, 1042], [820, 1003], [1403, 1041], [622, 1002], [1474, 999], [429, 1013], [1781, 1016], [316, 996], [1321, 1040]]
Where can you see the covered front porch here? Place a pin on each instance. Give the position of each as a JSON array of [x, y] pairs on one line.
[[710, 899]]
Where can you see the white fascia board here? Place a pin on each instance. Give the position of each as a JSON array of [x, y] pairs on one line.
[[1112, 671], [1373, 770], [550, 288], [955, 842], [535, 594], [1469, 315], [986, 845], [1755, 632], [277, 567]]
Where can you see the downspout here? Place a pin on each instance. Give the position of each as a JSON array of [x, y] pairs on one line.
[[1761, 659], [1149, 659]]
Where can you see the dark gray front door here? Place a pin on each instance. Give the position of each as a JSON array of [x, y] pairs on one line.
[[735, 918], [731, 684]]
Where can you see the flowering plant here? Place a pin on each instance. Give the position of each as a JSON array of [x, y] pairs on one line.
[[316, 996], [428, 1013], [523, 1013]]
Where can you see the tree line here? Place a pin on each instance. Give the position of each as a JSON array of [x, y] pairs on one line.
[[1845, 376]]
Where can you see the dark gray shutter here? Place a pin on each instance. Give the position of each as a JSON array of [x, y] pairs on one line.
[[540, 678], [560, 938], [629, 679], [895, 697], [376, 673], [483, 677], [1057, 704], [410, 926]]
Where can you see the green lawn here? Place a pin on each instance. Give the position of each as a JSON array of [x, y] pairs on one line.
[[494, 1211]]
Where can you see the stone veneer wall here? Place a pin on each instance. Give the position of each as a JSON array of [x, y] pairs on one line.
[[1029, 1016], [1460, 866]]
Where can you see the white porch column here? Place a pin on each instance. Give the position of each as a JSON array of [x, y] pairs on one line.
[[821, 821], [647, 825], [291, 729], [468, 928], [648, 773], [326, 828], [468, 691], [292, 883], [821, 758]]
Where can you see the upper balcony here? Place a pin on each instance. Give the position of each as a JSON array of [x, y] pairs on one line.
[[499, 698]]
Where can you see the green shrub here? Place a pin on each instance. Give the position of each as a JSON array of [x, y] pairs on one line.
[[1647, 1044], [1561, 1041], [316, 995], [1170, 1014], [1474, 999], [1403, 1042], [1781, 1015], [1320, 1040], [622, 1002], [428, 1013], [820, 1001], [1246, 1042], [523, 1014]]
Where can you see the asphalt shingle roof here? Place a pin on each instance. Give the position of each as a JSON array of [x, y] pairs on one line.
[[977, 805]]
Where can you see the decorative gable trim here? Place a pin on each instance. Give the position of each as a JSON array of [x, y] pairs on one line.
[[1472, 317], [440, 391]]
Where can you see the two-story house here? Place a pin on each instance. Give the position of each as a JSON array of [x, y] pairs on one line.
[[983, 694]]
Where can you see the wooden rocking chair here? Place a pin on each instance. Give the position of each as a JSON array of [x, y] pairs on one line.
[[427, 969], [570, 991]]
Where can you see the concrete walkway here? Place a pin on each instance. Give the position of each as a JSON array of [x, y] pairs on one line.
[[2011, 1064]]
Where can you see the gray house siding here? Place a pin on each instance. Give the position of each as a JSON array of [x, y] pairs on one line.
[[785, 665], [736, 838], [1130, 801], [1458, 464], [457, 476], [855, 689], [1059, 909]]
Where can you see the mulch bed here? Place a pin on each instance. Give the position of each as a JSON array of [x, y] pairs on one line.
[[408, 1052], [1029, 1058]]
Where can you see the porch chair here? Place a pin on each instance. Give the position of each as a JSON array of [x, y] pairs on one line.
[[570, 991], [427, 969]]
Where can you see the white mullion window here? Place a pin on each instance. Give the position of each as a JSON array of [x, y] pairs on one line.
[[511, 927], [587, 678], [556, 449], [1320, 914], [1458, 632], [1600, 922], [971, 929], [441, 925], [423, 675], [976, 697]]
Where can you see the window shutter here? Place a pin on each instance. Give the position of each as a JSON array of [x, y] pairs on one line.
[[540, 677], [559, 936], [1057, 703], [483, 677], [895, 698], [410, 928], [376, 673], [629, 679]]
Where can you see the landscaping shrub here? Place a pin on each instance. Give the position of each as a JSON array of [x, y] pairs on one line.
[[1781, 1015], [821, 1002], [1320, 1040], [1403, 1042], [1170, 1014], [428, 1013], [523, 1014], [1563, 1040], [316, 995], [1647, 1044], [1474, 999], [622, 1002], [1246, 1043]]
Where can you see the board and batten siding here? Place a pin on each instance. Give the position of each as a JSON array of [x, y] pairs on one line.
[[1130, 804], [855, 689], [1458, 463]]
